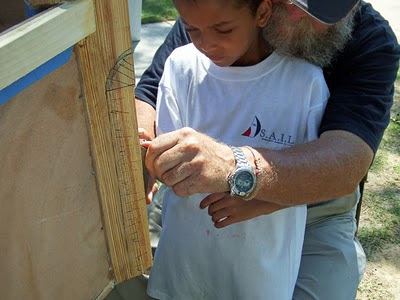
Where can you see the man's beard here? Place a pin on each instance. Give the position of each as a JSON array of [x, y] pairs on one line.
[[300, 39]]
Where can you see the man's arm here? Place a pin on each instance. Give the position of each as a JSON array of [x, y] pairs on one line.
[[330, 167]]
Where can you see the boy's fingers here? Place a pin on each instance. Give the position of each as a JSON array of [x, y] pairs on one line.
[[224, 223], [212, 198], [152, 189], [143, 134], [145, 143], [221, 215]]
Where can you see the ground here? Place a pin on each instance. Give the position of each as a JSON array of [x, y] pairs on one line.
[[380, 217]]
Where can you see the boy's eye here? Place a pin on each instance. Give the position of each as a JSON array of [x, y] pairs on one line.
[[190, 29], [224, 31]]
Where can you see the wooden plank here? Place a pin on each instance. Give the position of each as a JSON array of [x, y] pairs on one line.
[[29, 45], [108, 77], [52, 243]]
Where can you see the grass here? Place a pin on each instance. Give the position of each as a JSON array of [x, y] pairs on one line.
[[381, 206], [158, 11], [379, 231]]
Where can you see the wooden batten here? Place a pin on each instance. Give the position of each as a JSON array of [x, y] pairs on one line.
[[106, 63], [42, 37]]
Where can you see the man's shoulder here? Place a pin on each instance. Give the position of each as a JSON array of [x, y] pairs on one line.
[[373, 42], [372, 29]]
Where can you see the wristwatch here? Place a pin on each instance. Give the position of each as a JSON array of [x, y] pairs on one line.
[[243, 180]]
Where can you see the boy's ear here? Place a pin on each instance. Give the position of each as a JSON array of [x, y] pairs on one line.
[[264, 12]]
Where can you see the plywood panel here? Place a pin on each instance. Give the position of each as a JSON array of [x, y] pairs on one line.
[[52, 244]]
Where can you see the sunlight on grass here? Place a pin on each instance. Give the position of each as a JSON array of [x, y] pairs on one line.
[[373, 239], [158, 11], [384, 211]]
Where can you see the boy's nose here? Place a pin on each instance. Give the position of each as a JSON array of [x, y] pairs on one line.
[[207, 44]]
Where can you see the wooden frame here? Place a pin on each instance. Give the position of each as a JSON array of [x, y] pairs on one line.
[[34, 42], [107, 76]]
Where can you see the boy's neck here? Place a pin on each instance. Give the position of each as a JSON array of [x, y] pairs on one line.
[[263, 51]]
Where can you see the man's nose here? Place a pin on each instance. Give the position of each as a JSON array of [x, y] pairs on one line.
[[294, 12]]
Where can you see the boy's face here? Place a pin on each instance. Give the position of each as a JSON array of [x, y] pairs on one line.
[[226, 34]]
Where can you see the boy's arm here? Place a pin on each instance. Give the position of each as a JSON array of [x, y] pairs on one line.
[[226, 210], [146, 117], [147, 88]]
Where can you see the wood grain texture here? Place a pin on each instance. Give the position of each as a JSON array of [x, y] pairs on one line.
[[52, 244], [32, 43], [108, 77]]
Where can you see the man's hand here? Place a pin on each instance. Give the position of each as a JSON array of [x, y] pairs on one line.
[[226, 210], [190, 162]]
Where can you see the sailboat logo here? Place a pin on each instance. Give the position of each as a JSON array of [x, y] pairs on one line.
[[254, 128]]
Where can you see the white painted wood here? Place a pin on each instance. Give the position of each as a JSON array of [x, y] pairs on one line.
[[135, 16], [28, 45]]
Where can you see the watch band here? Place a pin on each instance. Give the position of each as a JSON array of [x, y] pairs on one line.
[[257, 161], [241, 160]]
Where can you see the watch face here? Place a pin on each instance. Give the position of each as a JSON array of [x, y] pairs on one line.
[[244, 182]]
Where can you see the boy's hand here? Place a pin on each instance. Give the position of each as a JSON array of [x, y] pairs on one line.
[[151, 186], [226, 210], [151, 190], [144, 136]]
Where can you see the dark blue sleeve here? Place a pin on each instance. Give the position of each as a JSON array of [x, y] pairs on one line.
[[361, 80], [147, 87]]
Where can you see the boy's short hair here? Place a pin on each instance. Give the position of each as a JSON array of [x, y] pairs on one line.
[[253, 4]]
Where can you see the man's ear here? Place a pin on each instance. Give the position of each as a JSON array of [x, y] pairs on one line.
[[264, 12]]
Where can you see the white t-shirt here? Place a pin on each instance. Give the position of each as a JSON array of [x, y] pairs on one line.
[[275, 104]]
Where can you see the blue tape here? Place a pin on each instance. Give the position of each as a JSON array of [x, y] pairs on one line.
[[30, 11], [37, 74]]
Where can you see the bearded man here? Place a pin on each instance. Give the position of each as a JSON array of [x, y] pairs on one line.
[[359, 55]]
